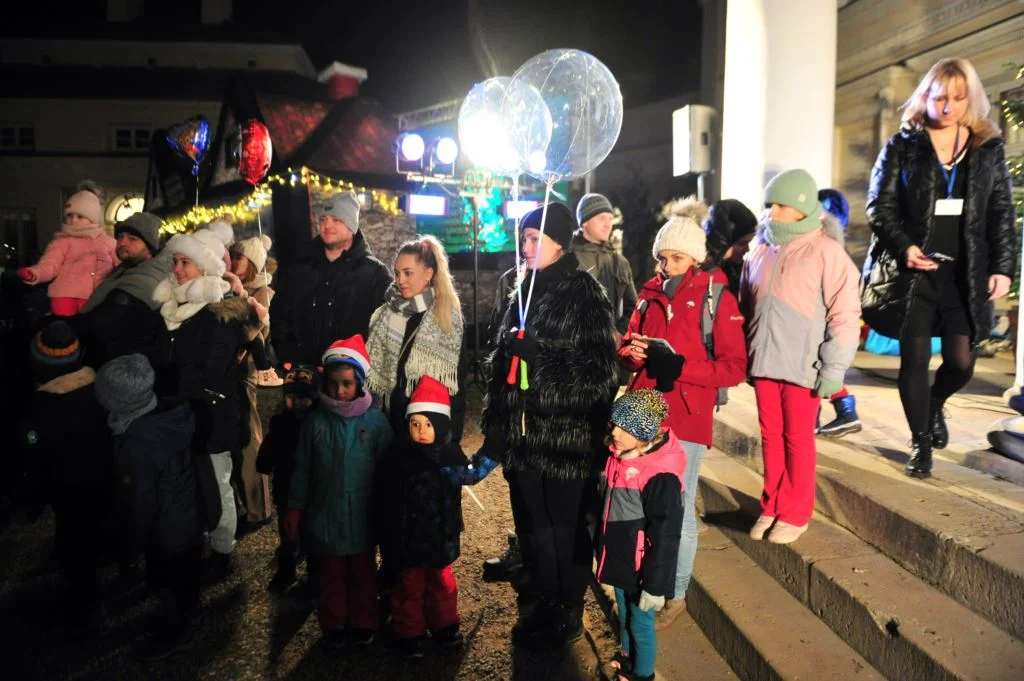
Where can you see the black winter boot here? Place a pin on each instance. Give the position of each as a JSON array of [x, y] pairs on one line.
[[920, 464], [937, 424], [506, 567]]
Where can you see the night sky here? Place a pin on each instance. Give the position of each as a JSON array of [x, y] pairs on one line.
[[419, 54]]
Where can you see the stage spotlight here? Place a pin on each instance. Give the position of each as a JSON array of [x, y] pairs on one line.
[[446, 151], [411, 147]]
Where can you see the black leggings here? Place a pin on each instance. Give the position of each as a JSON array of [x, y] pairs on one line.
[[550, 522], [954, 373]]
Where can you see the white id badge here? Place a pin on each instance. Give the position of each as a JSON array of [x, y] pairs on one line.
[[949, 207]]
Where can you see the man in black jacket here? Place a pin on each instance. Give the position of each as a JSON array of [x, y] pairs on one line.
[[121, 317], [331, 293]]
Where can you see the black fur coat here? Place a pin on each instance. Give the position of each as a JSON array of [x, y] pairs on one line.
[[558, 426]]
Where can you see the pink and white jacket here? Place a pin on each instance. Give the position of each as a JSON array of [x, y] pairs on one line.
[[643, 518], [76, 261], [801, 300]]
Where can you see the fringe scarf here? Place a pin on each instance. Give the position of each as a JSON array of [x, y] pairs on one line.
[[179, 303], [433, 352]]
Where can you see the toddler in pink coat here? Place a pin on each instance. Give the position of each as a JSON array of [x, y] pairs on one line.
[[78, 258]]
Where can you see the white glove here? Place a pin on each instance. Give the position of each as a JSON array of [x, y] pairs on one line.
[[649, 602]]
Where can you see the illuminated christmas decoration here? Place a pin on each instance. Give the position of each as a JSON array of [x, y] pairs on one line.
[[248, 207], [493, 236]]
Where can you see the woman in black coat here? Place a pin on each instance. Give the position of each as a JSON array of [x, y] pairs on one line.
[[202, 361], [943, 244], [549, 436]]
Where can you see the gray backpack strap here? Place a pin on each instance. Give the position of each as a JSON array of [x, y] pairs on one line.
[[707, 320]]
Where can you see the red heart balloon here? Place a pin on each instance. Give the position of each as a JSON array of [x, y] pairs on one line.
[[256, 151]]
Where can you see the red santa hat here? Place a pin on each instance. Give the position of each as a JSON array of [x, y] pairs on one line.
[[430, 396], [351, 351]]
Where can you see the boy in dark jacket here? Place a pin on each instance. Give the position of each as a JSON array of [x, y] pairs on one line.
[[158, 487], [638, 552], [68, 464], [425, 519], [277, 458]]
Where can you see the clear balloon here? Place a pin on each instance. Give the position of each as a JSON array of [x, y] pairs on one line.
[[483, 133], [584, 102], [191, 139]]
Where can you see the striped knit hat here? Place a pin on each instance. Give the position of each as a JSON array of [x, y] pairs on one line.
[[55, 351]]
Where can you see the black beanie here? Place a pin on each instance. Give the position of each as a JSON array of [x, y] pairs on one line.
[[560, 224], [55, 351], [728, 222]]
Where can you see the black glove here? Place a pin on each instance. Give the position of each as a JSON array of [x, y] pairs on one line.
[[526, 347], [663, 366]]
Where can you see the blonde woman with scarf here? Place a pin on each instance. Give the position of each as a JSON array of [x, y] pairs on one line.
[[416, 332], [202, 361]]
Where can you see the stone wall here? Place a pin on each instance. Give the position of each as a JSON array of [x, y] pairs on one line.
[[384, 233]]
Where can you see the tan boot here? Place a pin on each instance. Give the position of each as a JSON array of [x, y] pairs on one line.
[[669, 614]]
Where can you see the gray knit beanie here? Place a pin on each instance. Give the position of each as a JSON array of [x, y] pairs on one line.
[[146, 226], [344, 206], [591, 205], [124, 386]]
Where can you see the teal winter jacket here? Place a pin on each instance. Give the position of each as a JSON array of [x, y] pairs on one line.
[[333, 480]]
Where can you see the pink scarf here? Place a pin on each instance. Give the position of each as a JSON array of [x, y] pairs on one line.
[[347, 410], [89, 231]]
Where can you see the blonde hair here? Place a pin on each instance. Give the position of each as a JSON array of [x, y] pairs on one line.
[[915, 109], [429, 252]]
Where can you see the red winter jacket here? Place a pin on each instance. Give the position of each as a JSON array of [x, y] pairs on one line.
[[692, 401]]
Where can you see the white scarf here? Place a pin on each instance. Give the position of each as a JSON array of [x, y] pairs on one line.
[[179, 303]]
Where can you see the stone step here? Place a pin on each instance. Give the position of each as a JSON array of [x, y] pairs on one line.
[[905, 628], [962, 531], [763, 632]]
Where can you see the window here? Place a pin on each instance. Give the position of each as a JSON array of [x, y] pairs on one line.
[[17, 136], [131, 138], [1011, 134], [19, 234]]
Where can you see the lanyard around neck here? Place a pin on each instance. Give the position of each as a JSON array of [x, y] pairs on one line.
[[950, 176]]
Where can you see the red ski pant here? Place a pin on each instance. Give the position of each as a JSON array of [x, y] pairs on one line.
[[66, 307], [348, 592], [424, 598], [787, 414]]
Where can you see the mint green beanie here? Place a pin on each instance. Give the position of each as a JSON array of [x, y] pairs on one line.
[[796, 189]]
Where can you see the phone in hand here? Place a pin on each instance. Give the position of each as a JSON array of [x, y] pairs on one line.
[[660, 342], [940, 257]]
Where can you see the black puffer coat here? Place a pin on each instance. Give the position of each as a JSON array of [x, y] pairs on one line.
[[565, 411], [201, 361], [320, 301], [905, 183]]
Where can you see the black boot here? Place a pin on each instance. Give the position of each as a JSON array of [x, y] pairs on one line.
[[285, 575], [219, 567], [562, 625], [533, 619], [920, 464], [937, 424], [506, 567]]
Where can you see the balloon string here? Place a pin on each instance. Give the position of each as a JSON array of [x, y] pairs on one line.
[[518, 235], [259, 222], [197, 191], [536, 258]]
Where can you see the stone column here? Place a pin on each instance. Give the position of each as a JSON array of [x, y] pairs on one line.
[[779, 93]]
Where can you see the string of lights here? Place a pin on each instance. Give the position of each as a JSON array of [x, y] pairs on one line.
[[248, 207]]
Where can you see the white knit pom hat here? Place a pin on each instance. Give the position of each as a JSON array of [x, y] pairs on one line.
[[202, 247], [681, 234], [255, 249], [224, 231]]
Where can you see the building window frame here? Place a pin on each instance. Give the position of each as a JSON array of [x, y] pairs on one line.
[[130, 137], [19, 228], [17, 136]]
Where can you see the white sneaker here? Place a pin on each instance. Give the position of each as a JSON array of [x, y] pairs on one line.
[[269, 379], [761, 526], [784, 533]]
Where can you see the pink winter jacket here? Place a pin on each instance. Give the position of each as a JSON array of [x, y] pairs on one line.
[[802, 304], [75, 264]]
